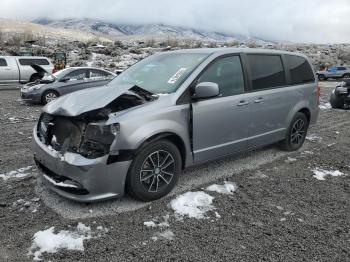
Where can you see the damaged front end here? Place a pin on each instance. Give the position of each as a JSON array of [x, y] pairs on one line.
[[80, 135], [87, 134], [74, 151]]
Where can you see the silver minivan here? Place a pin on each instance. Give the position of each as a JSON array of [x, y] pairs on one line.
[[168, 112]]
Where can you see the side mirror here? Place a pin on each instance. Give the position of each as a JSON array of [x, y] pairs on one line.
[[64, 79], [206, 90]]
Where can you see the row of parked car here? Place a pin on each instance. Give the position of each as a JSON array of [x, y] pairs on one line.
[[43, 84]]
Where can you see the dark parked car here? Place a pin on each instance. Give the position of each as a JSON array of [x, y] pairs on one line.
[[63, 82], [340, 96]]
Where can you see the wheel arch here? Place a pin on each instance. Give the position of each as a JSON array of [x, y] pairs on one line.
[[170, 136], [306, 111], [303, 107]]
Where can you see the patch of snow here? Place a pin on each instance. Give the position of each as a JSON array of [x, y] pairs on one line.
[[217, 215], [290, 159], [226, 188], [164, 223], [167, 235], [149, 224], [313, 138], [320, 174], [19, 173], [325, 106], [46, 241], [192, 204]]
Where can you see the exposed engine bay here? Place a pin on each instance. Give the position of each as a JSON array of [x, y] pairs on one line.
[[87, 134]]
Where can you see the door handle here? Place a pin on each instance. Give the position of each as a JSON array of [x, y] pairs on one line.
[[242, 103], [8, 69], [259, 100]]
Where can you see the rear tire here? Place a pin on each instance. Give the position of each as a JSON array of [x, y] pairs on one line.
[[336, 102], [161, 162], [322, 77], [296, 133], [49, 96], [346, 76]]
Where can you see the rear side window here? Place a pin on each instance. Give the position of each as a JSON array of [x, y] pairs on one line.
[[3, 62], [99, 74], [227, 73], [300, 70], [79, 74], [266, 71], [30, 61]]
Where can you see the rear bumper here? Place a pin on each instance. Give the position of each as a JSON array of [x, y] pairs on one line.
[[314, 115], [78, 178]]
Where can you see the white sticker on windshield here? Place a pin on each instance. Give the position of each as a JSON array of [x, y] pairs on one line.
[[177, 75]]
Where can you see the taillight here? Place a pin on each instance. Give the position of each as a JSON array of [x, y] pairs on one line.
[[54, 70], [318, 93]]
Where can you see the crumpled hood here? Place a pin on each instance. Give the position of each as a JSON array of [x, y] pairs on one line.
[[79, 102]]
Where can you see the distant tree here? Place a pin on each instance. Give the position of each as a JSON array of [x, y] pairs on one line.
[[252, 44], [234, 43], [150, 42]]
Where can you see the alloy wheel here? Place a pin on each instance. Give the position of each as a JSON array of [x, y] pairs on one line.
[[157, 171], [50, 97], [298, 132]]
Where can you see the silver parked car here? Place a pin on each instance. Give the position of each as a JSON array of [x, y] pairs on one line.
[[335, 72], [168, 112], [17, 69], [63, 82]]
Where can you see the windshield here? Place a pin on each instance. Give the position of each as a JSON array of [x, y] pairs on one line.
[[57, 75], [161, 73]]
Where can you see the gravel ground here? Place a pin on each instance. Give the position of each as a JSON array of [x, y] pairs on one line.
[[279, 212]]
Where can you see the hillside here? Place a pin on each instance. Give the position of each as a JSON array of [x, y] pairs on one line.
[[106, 29], [13, 27]]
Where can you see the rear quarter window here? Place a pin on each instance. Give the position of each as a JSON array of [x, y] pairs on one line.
[[300, 70], [3, 62], [30, 61], [266, 71]]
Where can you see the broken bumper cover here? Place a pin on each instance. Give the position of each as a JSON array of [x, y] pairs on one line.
[[79, 178]]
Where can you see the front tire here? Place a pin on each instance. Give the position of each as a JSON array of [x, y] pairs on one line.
[[336, 102], [154, 171], [49, 96], [296, 133]]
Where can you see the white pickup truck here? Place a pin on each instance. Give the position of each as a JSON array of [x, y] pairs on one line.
[[17, 69]]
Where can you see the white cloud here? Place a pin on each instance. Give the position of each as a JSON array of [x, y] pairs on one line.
[[299, 20]]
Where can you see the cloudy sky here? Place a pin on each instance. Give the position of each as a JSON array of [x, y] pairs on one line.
[[318, 21]]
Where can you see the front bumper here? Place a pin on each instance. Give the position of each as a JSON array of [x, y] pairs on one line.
[[31, 97], [79, 178]]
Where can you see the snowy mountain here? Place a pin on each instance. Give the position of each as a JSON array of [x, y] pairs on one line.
[[117, 30]]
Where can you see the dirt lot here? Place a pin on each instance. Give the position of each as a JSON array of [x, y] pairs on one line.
[[279, 212]]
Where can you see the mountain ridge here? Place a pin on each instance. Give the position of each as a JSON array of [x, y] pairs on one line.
[[115, 30]]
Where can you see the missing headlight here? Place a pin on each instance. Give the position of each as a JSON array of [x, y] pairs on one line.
[[98, 139]]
